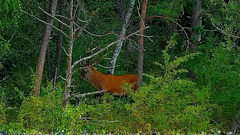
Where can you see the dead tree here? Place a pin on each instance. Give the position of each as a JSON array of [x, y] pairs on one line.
[[43, 50], [120, 39]]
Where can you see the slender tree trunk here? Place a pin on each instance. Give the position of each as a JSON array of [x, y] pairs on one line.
[[59, 44], [141, 43], [121, 9], [43, 50], [69, 58], [196, 22], [49, 64], [121, 37]]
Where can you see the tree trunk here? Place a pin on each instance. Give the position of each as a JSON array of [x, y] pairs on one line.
[[59, 44], [49, 64], [43, 50], [196, 22], [121, 37], [141, 43], [69, 59], [121, 9]]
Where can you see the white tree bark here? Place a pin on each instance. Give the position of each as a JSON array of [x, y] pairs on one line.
[[121, 37], [69, 59]]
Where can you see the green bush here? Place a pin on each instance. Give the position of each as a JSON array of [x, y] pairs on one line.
[[2, 115], [168, 104], [47, 114], [219, 70]]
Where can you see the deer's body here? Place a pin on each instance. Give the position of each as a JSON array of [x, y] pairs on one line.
[[110, 83]]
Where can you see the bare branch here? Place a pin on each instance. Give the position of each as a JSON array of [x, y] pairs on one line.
[[63, 78], [65, 51], [96, 35], [86, 94], [107, 67], [91, 56], [103, 49], [45, 22], [4, 78], [86, 24], [76, 8], [163, 17], [149, 37], [221, 28], [54, 17], [89, 93], [63, 17]]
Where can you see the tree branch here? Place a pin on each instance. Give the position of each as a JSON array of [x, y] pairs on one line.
[[54, 17], [103, 49], [85, 25], [86, 94], [45, 22], [163, 17]]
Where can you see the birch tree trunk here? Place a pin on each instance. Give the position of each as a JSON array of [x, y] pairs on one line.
[[69, 57], [43, 50], [196, 22], [120, 39], [141, 43]]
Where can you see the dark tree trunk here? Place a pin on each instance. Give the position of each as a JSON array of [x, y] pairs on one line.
[[121, 8], [196, 22], [141, 43], [43, 50], [59, 43], [121, 37], [49, 64]]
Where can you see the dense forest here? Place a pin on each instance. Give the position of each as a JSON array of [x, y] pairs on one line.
[[119, 66]]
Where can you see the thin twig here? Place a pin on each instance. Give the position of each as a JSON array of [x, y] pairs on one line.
[[4, 78], [63, 17], [86, 94], [163, 17], [76, 8], [86, 24], [96, 35], [54, 17], [63, 78], [221, 29], [149, 37], [89, 93], [12, 36], [107, 66], [45, 22]]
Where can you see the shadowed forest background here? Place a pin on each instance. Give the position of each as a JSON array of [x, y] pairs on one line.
[[185, 52]]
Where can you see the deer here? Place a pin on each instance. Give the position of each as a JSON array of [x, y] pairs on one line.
[[111, 83]]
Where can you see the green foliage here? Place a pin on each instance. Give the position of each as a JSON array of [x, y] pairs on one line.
[[9, 12], [224, 17], [4, 47], [169, 103], [2, 114], [171, 9], [219, 71]]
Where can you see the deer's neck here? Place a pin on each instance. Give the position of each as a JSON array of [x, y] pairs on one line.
[[97, 79]]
